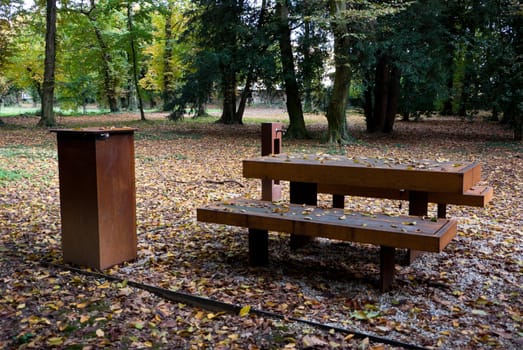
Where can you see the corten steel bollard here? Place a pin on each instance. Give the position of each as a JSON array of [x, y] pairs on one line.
[[271, 137], [97, 195]]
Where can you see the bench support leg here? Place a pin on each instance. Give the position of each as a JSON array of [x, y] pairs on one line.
[[387, 265], [338, 201], [418, 206], [442, 210], [302, 193], [271, 190], [258, 247]]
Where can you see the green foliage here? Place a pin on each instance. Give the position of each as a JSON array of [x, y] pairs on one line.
[[454, 56], [312, 53], [8, 10], [11, 175]]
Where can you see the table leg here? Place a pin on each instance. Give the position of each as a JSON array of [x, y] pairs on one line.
[[258, 247], [338, 201], [387, 266], [442, 210], [271, 139], [418, 206], [302, 193], [418, 203], [271, 190]]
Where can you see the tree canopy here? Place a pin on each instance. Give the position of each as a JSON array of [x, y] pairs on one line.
[[403, 58]]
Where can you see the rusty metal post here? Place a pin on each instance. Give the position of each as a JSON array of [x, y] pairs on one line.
[[271, 143], [97, 195]]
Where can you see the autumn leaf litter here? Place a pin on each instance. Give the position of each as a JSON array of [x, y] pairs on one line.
[[467, 297]]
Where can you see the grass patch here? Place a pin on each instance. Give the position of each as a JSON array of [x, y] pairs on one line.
[[14, 111], [164, 135], [151, 159], [11, 175], [33, 153], [204, 119], [511, 146]]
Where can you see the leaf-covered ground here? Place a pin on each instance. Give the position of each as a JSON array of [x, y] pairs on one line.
[[468, 297]]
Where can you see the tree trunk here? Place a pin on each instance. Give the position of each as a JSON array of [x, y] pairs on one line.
[[307, 68], [200, 109], [244, 96], [47, 117], [381, 117], [368, 106], [336, 111], [392, 99], [518, 127], [109, 84], [109, 79], [251, 76], [134, 63], [296, 127], [381, 90], [228, 69], [168, 78], [229, 97]]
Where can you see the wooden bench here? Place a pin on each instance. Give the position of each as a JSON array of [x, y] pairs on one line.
[[388, 232]]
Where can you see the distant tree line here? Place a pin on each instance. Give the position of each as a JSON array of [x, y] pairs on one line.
[[407, 58]]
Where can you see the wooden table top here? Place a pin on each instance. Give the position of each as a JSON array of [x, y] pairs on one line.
[[414, 175]]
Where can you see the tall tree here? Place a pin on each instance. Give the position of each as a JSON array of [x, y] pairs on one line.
[[168, 75], [8, 9], [403, 65], [108, 56], [47, 117], [312, 54], [296, 127], [508, 63], [259, 45], [133, 54], [229, 50], [336, 115]]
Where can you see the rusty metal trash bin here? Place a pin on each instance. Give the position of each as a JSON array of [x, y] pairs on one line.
[[97, 195]]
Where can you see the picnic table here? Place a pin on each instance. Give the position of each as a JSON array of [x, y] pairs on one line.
[[420, 182], [417, 181]]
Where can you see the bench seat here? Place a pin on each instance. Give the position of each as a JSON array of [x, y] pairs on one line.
[[388, 232]]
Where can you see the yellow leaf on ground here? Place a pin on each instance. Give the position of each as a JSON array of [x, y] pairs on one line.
[[245, 310], [55, 341], [104, 285], [100, 333], [81, 305]]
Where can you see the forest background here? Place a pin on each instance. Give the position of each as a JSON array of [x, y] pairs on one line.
[[389, 58], [413, 59]]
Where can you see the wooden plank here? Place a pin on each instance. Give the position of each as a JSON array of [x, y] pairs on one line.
[[434, 177], [476, 196], [393, 231]]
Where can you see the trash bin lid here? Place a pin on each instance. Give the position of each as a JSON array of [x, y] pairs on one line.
[[95, 130]]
